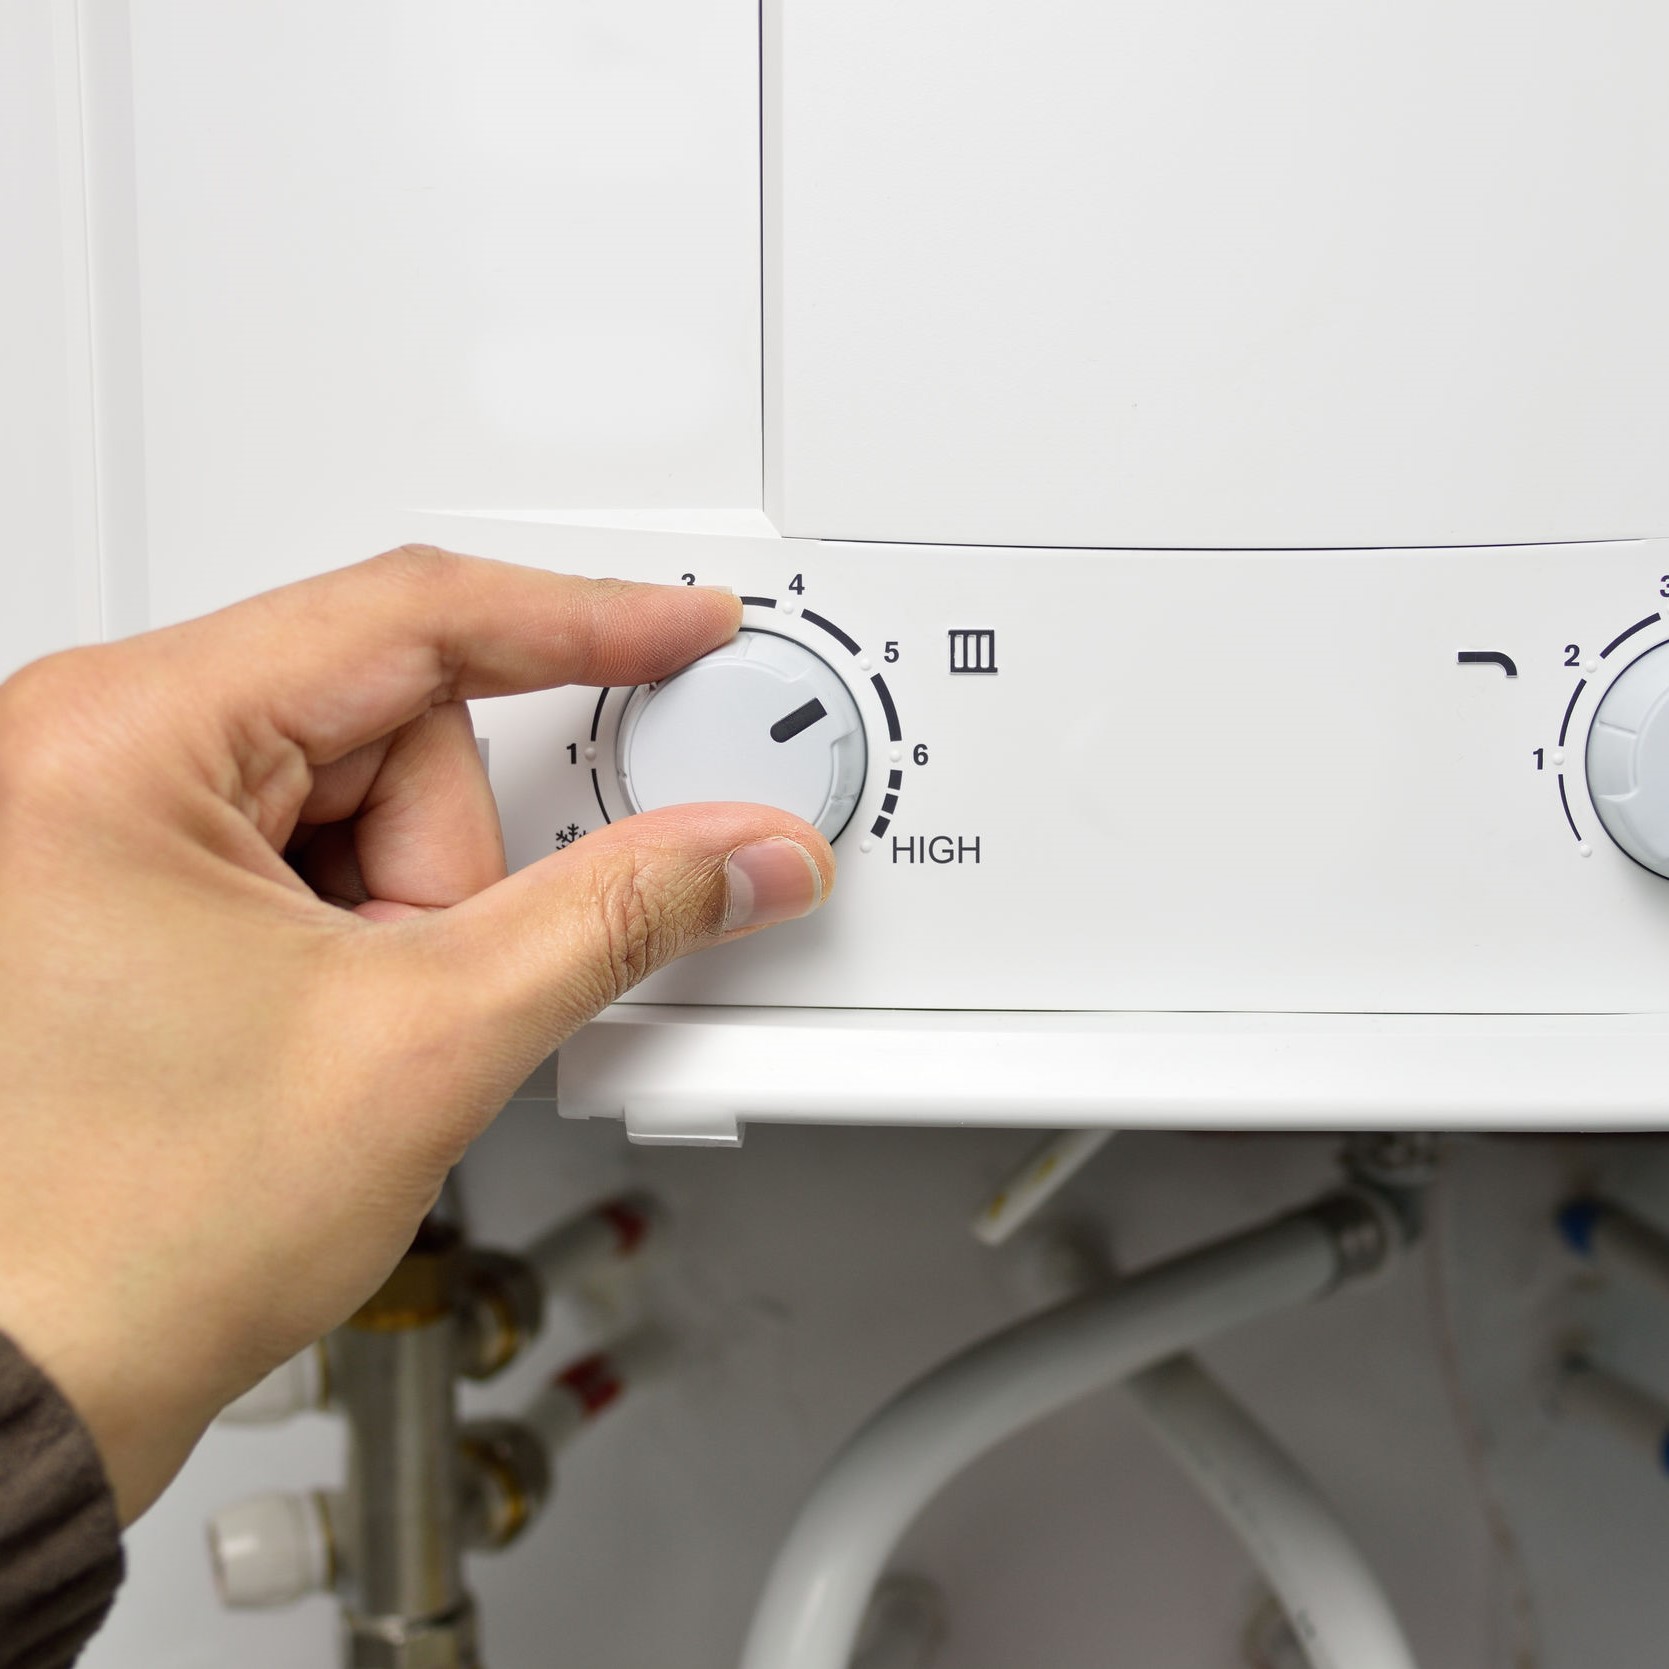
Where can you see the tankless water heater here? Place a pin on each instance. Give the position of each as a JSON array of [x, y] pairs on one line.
[[1203, 523]]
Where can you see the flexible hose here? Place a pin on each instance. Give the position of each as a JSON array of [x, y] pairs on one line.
[[814, 1600], [1337, 1609]]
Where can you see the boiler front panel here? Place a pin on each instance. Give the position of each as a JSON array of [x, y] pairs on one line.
[[1312, 782]]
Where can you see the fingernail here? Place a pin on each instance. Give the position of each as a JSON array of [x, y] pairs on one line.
[[773, 880], [722, 590]]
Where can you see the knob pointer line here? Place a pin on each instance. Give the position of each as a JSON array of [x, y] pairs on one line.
[[802, 718]]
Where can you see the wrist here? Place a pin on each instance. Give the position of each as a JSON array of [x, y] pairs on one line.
[[136, 1406]]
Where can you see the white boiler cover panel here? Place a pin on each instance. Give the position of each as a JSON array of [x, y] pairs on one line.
[[1197, 273]]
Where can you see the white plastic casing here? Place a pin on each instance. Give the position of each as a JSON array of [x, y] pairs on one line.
[[270, 1550], [1200, 783], [1237, 371], [1204, 275], [763, 720], [1628, 760]]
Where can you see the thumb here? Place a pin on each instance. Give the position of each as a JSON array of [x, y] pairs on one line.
[[557, 942]]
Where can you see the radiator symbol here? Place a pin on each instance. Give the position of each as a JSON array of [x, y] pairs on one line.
[[973, 651]]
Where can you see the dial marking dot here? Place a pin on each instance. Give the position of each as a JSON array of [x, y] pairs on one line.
[[590, 753], [1584, 850], [866, 844], [864, 663], [896, 755], [1591, 668], [1557, 756]]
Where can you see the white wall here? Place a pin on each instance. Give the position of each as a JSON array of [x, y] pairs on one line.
[[41, 609]]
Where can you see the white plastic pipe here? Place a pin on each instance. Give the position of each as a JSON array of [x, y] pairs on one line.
[[596, 1241], [579, 1392], [1618, 1241], [272, 1549], [814, 1600], [1338, 1611], [1041, 1175]]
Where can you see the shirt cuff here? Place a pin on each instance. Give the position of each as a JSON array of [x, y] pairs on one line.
[[60, 1542]]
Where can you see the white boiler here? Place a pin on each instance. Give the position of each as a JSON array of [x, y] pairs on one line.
[[1195, 472], [1214, 455]]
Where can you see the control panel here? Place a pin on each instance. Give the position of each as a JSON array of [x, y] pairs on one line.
[[1356, 782]]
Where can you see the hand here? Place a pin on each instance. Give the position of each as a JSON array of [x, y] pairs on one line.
[[235, 1083]]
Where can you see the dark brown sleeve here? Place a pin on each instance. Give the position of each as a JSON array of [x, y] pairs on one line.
[[60, 1544]]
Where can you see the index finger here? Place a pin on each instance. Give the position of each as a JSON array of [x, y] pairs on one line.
[[332, 663]]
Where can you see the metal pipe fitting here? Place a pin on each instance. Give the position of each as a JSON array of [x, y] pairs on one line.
[[447, 1642], [505, 1478], [405, 1603], [421, 1490], [1399, 1167], [1366, 1230], [501, 1309]]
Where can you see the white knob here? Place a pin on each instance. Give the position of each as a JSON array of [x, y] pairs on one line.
[[293, 1387], [271, 1549], [1628, 760], [764, 719]]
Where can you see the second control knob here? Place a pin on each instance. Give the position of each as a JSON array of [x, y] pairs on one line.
[[764, 719], [1628, 760]]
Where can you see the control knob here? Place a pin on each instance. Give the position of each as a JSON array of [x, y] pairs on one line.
[[764, 719], [1628, 760]]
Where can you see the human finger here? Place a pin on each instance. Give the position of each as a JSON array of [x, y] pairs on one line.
[[333, 663], [409, 822]]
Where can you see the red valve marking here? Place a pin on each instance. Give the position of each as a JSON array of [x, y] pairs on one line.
[[628, 1223], [593, 1383]]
